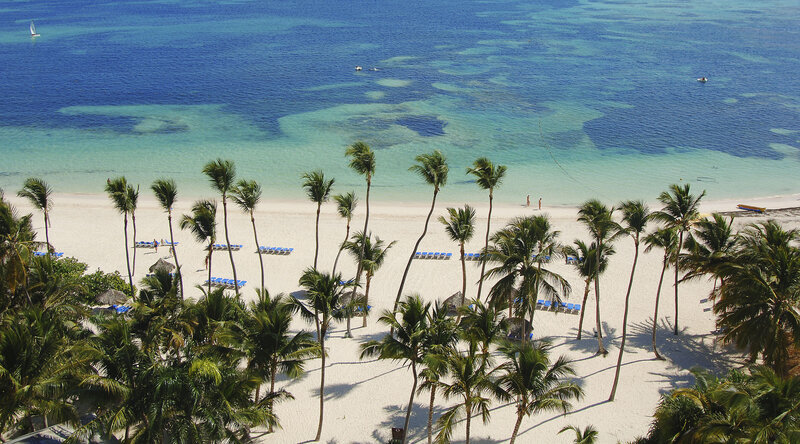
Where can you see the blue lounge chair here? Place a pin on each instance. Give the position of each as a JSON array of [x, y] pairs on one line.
[[417, 255], [540, 302], [577, 307], [448, 255], [547, 305], [289, 250], [570, 307]]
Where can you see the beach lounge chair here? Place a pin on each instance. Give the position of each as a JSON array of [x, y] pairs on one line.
[[547, 305], [540, 302], [577, 308], [448, 255], [761, 210]]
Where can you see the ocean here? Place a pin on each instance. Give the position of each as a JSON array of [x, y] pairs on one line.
[[579, 99]]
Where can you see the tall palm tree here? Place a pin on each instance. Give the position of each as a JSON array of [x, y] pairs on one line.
[[203, 224], [599, 220], [433, 169], [362, 161], [270, 346], [247, 194], [635, 216], [482, 324], [522, 274], [117, 190], [488, 176], [406, 344], [460, 226], [166, 192], [345, 205], [758, 304], [373, 255], [38, 192], [471, 382], [221, 173], [318, 190], [709, 244], [133, 203], [679, 212], [584, 262], [442, 337], [667, 240], [16, 252], [586, 436], [322, 305], [537, 385]]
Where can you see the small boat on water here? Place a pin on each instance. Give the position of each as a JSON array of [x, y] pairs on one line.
[[373, 69], [358, 68], [703, 79], [33, 30]]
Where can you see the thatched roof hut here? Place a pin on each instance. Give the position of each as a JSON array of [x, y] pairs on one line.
[[161, 264], [111, 297], [454, 302], [517, 327]]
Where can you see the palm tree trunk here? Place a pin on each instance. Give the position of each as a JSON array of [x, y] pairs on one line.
[[341, 247], [655, 312], [321, 386], [600, 348], [624, 323], [363, 244], [133, 220], [411, 257], [228, 241], [485, 246], [316, 236], [174, 251], [347, 333], [520, 415], [46, 231], [272, 387], [366, 299], [260, 259], [127, 257], [410, 401], [677, 253], [583, 306], [469, 419], [430, 414], [210, 251], [463, 283]]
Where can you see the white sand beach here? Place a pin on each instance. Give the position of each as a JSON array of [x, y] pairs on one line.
[[364, 399]]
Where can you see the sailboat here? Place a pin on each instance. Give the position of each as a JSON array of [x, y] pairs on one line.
[[33, 30]]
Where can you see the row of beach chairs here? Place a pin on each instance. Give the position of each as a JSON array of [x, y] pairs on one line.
[[558, 306], [472, 256], [225, 247], [432, 255], [42, 253], [145, 244], [228, 283], [275, 250]]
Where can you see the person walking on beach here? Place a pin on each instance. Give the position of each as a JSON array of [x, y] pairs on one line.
[[528, 201], [155, 245], [540, 202]]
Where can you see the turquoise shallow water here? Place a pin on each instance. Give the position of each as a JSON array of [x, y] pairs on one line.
[[580, 99]]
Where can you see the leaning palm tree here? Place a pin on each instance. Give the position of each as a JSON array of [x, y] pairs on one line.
[[679, 212], [38, 192], [373, 255], [599, 221], [667, 240], [586, 436], [318, 190], [167, 193], [203, 224], [635, 216], [406, 344], [460, 226], [362, 161], [488, 176], [133, 202], [246, 194], [537, 385], [117, 190], [345, 205], [584, 257], [442, 337], [322, 305], [433, 169], [221, 173]]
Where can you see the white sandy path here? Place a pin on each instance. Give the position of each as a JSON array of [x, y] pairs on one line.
[[365, 399]]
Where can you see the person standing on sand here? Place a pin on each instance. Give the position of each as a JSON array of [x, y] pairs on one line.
[[528, 201], [155, 245], [540, 203]]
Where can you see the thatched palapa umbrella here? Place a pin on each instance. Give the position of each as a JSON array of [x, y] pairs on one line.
[[518, 328], [161, 264], [111, 297], [454, 302]]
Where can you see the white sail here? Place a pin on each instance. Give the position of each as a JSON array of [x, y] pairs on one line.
[[33, 30]]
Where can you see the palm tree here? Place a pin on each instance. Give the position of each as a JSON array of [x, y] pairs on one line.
[[16, 251], [221, 173], [460, 227], [758, 303], [373, 255], [488, 176], [166, 192], [667, 240], [599, 220], [318, 189], [522, 274], [635, 216], [471, 381], [247, 194], [133, 202], [203, 224], [586, 436], [679, 212], [362, 161], [406, 344], [433, 169], [38, 192], [482, 324], [345, 205], [442, 337], [535, 383], [322, 305], [270, 346], [709, 245], [584, 262], [117, 190]]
